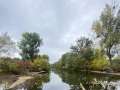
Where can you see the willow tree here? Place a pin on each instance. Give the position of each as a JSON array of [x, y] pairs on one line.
[[29, 45], [107, 28]]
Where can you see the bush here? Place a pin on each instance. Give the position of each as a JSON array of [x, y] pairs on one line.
[[40, 65], [21, 67], [24, 64], [13, 68], [116, 64], [9, 67], [99, 64]]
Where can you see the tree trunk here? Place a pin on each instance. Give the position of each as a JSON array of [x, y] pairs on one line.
[[110, 59], [109, 55]]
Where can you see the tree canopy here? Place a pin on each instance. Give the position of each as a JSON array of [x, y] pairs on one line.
[[107, 28], [29, 45], [83, 48]]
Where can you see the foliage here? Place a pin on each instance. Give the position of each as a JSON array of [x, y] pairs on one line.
[[24, 65], [44, 56], [83, 48], [13, 68], [9, 67], [116, 64], [107, 28], [80, 56], [29, 45], [70, 61], [40, 65], [99, 64]]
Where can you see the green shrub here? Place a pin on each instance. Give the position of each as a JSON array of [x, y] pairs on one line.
[[4, 65], [40, 65], [116, 64], [7, 66], [13, 68], [99, 64]]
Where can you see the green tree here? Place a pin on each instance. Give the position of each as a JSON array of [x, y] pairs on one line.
[[107, 28], [44, 56], [40, 64], [80, 56], [83, 48], [29, 45]]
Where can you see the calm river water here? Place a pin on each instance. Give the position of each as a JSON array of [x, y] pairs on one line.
[[67, 81]]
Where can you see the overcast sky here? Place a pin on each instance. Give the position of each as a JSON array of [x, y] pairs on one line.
[[59, 22]]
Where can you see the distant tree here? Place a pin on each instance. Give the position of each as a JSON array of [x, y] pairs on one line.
[[29, 45], [83, 48], [6, 44], [107, 28], [65, 59], [44, 56]]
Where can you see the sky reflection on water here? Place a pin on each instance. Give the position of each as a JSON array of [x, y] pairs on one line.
[[55, 83]]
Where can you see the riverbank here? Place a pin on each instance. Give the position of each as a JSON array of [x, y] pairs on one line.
[[94, 72], [102, 72], [99, 72]]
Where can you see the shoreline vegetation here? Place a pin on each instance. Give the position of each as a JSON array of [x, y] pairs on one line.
[[31, 60], [31, 65]]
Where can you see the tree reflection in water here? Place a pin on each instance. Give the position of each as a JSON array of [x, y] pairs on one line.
[[75, 81], [88, 81], [38, 82], [33, 84]]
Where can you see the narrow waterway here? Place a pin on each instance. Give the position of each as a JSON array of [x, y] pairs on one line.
[[59, 80], [55, 83]]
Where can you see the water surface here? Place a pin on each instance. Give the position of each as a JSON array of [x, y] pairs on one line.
[[63, 80], [55, 83]]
